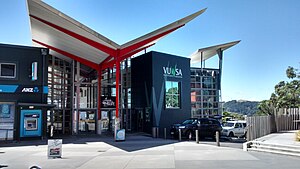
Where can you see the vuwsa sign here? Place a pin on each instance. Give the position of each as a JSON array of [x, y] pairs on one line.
[[172, 71]]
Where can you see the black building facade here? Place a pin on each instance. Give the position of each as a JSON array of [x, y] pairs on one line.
[[23, 91], [161, 93]]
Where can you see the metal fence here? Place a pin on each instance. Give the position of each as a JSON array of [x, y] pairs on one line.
[[282, 120]]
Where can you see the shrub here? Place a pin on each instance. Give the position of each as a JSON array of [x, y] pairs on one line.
[[298, 135]]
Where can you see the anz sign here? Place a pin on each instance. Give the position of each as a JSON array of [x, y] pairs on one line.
[[172, 71], [23, 89], [30, 90]]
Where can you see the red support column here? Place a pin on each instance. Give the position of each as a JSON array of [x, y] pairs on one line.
[[99, 93], [117, 86]]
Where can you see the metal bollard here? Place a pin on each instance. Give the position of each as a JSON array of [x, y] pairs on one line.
[[157, 132], [197, 137], [179, 134], [218, 138], [153, 132], [6, 136], [165, 133]]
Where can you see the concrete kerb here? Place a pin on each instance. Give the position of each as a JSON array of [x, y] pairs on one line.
[[247, 145]]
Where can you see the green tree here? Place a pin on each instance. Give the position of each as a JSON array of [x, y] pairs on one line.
[[287, 94], [172, 97], [265, 107], [291, 72]]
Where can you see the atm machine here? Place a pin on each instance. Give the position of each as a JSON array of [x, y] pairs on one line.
[[31, 123]]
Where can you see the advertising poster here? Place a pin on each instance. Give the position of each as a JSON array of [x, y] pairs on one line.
[[55, 148]]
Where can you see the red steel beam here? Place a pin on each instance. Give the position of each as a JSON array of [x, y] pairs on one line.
[[77, 58], [108, 65], [88, 41], [134, 52], [108, 59], [135, 46]]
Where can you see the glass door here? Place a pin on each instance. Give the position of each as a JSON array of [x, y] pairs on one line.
[[87, 122]]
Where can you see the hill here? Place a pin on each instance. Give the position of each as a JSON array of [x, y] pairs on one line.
[[241, 106]]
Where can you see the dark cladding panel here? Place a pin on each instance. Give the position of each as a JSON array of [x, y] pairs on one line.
[[22, 87], [141, 80], [150, 74], [170, 69]]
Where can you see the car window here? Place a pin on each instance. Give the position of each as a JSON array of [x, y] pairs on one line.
[[204, 121], [195, 122], [210, 122], [190, 121], [244, 124], [238, 125], [216, 122], [228, 124]]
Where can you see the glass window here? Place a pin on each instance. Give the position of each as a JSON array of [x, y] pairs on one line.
[[228, 124], [5, 110], [8, 70], [190, 121], [192, 85], [238, 125], [204, 121], [172, 94]]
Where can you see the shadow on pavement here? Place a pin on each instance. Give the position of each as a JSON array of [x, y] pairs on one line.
[[133, 142]]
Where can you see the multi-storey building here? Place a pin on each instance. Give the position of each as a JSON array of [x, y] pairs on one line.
[[206, 92]]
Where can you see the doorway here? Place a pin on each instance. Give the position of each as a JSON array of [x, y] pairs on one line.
[[87, 121], [140, 120]]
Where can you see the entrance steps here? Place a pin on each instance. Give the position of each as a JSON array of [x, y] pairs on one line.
[[272, 148]]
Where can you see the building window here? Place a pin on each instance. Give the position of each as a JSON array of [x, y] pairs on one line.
[[7, 70], [172, 95], [5, 110]]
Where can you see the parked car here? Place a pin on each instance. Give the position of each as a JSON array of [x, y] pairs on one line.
[[234, 129], [206, 127]]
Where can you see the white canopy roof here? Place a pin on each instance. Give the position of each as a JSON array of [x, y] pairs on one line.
[[68, 39], [211, 51]]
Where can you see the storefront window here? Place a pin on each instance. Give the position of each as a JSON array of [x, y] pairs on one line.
[[172, 94], [5, 110]]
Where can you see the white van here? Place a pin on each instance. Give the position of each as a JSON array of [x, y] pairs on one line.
[[234, 129]]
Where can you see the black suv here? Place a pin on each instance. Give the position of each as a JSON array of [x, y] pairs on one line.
[[206, 127]]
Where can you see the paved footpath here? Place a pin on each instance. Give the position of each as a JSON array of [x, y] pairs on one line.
[[287, 138], [138, 152]]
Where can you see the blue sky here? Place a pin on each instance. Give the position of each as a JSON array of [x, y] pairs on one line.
[[269, 31]]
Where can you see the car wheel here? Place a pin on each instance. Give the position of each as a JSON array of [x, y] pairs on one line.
[[231, 134], [245, 135]]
